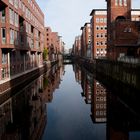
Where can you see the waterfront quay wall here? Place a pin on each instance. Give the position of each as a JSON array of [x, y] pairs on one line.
[[126, 73], [24, 78]]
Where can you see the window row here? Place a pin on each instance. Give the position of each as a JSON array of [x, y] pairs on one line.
[[31, 30], [101, 99], [101, 35], [100, 51], [101, 113], [101, 43], [100, 106], [121, 2], [14, 3], [19, 4], [101, 27], [99, 91], [28, 13], [101, 20], [136, 19]]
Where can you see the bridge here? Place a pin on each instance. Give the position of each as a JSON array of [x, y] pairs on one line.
[[67, 59]]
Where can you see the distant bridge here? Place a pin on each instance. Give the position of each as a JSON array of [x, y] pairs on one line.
[[67, 59]]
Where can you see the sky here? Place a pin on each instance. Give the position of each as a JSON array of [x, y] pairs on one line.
[[67, 16]]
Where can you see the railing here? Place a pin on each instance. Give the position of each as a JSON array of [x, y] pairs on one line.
[[130, 60]]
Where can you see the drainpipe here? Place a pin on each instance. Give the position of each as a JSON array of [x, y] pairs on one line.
[[9, 65]]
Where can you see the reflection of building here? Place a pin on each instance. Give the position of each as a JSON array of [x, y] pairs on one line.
[[98, 107], [51, 82], [24, 114], [77, 71], [87, 89], [86, 83], [5, 117], [22, 41]]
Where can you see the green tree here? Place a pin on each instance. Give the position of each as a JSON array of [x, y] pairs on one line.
[[45, 53]]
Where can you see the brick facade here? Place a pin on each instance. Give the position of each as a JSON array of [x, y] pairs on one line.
[[22, 37], [86, 40], [123, 32], [99, 32]]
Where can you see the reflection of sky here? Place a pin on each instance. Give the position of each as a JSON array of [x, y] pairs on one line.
[[69, 116], [134, 135]]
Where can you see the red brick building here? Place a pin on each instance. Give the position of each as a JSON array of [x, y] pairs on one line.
[[86, 41], [77, 46], [99, 103], [123, 33], [99, 32], [22, 36], [53, 43]]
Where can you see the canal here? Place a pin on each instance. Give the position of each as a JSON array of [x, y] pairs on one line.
[[69, 103]]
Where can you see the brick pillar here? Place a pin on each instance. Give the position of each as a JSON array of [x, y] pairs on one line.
[[0, 64], [7, 26]]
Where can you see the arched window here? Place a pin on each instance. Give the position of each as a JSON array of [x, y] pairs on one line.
[[120, 18]]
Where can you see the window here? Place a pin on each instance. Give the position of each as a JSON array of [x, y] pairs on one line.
[[127, 30], [16, 38], [16, 20], [101, 35], [3, 73], [125, 2], [97, 35], [11, 36], [11, 16], [120, 2], [3, 16], [116, 2], [101, 43], [97, 27], [4, 58], [97, 20], [97, 43], [20, 4], [11, 2], [3, 34], [105, 27], [101, 20], [105, 20], [16, 4], [101, 27]]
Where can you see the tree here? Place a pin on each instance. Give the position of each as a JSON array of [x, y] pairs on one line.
[[45, 53]]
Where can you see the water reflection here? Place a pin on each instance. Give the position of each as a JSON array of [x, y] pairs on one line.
[[68, 103], [23, 116], [121, 116]]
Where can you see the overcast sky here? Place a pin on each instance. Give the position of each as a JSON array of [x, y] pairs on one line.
[[67, 16]]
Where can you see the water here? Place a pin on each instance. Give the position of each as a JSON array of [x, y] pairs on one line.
[[68, 115], [68, 103]]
